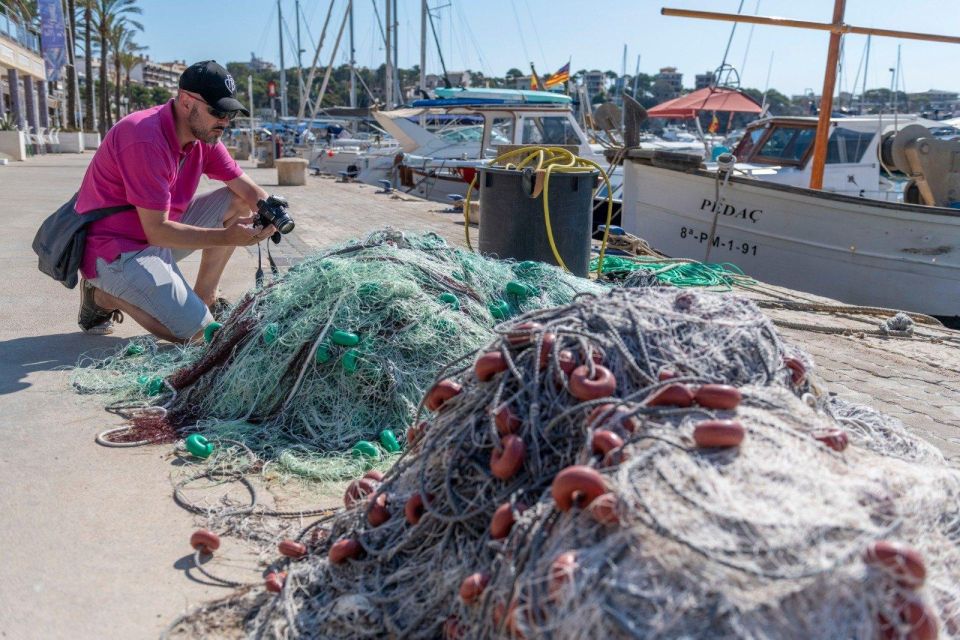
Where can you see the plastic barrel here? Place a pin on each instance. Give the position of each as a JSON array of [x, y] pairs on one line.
[[512, 223]]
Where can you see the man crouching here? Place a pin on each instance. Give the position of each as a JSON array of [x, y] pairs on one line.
[[152, 160]]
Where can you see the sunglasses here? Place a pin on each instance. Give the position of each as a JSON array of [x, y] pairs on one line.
[[216, 113]]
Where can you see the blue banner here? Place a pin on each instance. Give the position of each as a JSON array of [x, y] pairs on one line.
[[53, 37]]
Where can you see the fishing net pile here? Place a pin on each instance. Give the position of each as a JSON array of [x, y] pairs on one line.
[[339, 349], [641, 463]]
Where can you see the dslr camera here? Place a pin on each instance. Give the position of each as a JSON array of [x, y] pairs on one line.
[[273, 210]]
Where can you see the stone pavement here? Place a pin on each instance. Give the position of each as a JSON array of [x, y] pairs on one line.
[[92, 544]]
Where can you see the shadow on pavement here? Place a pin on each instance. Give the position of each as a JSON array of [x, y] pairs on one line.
[[22, 356]]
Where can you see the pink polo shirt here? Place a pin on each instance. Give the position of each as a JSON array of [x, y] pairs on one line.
[[141, 163]]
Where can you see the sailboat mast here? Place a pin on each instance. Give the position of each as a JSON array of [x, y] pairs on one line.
[[353, 62], [866, 66], [398, 91], [388, 76], [283, 70], [299, 55], [423, 45]]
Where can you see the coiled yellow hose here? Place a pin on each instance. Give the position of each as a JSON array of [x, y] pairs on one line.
[[548, 160]]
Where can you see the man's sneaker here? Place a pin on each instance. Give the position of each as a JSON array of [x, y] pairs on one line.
[[93, 319]]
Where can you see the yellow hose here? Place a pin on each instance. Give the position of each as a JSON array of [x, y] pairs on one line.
[[548, 160]]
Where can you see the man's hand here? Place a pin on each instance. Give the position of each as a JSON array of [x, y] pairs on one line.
[[244, 234]]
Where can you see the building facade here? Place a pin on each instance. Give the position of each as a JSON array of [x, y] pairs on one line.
[[24, 98]]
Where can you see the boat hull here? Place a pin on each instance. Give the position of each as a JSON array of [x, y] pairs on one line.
[[855, 250]]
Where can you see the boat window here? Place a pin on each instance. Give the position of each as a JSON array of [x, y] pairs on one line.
[[787, 145], [462, 134], [847, 145], [501, 132], [549, 130], [748, 143]]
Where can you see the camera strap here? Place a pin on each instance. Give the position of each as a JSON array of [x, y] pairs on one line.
[[258, 278]]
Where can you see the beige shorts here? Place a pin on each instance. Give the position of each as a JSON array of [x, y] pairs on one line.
[[151, 280]]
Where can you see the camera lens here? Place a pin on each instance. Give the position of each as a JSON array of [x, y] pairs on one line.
[[284, 224]]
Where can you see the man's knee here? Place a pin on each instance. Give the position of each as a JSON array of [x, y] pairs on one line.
[[237, 207]]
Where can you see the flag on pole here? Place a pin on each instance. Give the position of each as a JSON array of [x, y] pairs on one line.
[[534, 79], [561, 76], [714, 124]]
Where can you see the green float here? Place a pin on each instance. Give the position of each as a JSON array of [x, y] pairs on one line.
[[154, 385], [450, 299], [388, 440], [499, 309], [270, 333], [134, 349], [199, 446], [521, 290], [210, 330], [365, 449], [350, 361], [344, 338], [323, 354]]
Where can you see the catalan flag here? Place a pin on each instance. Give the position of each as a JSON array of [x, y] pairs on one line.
[[535, 84], [714, 124], [561, 76]]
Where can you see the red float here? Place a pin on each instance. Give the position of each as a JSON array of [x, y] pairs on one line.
[[667, 374], [274, 581], [502, 521], [506, 420], [414, 433], [601, 385], [522, 334], [718, 396], [798, 370], [718, 434], [546, 349], [415, 508], [358, 490], [472, 587], [603, 442], [507, 459], [375, 475], [836, 439], [440, 393], [609, 414], [451, 628], [344, 549], [566, 361], [292, 549], [577, 485], [490, 364], [205, 541], [672, 395], [904, 563], [378, 513]]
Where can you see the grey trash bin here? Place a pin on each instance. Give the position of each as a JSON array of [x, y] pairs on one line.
[[512, 222]]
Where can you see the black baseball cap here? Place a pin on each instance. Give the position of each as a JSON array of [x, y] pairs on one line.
[[213, 84]]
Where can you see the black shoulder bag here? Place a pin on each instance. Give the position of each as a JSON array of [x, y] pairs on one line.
[[61, 239]]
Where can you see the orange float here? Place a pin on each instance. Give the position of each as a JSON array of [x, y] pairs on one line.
[[489, 364], [472, 587], [584, 387], [344, 549], [718, 434], [440, 393], [577, 485], [718, 396], [672, 395], [507, 459]]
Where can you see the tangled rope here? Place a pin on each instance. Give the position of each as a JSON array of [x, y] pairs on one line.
[[645, 463]]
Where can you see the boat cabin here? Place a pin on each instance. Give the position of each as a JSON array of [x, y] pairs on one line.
[[780, 150]]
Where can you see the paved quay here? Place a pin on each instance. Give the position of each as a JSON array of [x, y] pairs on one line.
[[93, 545]]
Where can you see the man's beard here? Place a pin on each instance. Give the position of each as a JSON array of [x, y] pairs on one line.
[[208, 135]]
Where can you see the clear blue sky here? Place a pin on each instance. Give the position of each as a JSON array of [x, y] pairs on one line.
[[494, 35]]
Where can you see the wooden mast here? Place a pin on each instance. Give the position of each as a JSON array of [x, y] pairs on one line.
[[836, 28], [826, 97]]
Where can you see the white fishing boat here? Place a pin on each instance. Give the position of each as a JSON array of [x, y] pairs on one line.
[[854, 240], [854, 234]]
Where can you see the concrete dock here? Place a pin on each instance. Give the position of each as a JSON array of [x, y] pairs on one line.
[[92, 544]]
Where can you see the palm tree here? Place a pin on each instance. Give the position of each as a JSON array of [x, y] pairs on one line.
[[109, 14], [124, 55], [23, 11]]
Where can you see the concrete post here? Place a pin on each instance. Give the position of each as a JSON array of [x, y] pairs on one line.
[[14, 79], [42, 104], [3, 110], [30, 101]]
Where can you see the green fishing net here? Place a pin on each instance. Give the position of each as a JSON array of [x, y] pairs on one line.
[[339, 350]]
